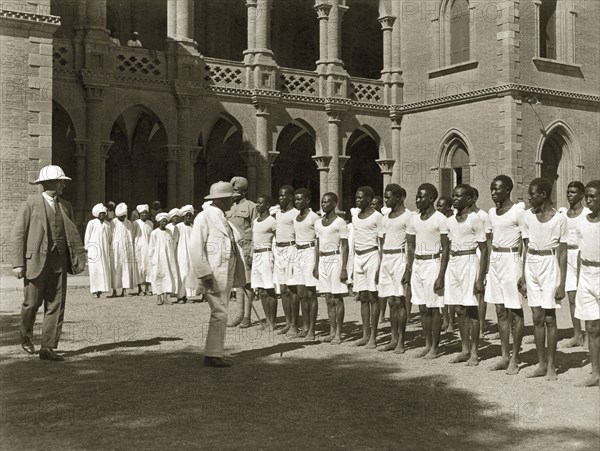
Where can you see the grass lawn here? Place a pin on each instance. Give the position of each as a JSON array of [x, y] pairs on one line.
[[134, 378]]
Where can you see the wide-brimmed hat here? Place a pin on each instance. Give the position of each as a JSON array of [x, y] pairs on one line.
[[51, 172], [220, 190]]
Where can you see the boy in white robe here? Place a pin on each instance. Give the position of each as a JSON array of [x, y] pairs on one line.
[[124, 263], [164, 275], [97, 245], [184, 259], [142, 230]]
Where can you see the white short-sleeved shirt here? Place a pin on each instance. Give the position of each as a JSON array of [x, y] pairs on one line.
[[588, 235], [285, 225], [427, 233], [545, 235], [465, 235], [485, 218], [331, 236], [507, 228], [367, 231], [263, 232], [572, 239], [394, 230], [305, 229]]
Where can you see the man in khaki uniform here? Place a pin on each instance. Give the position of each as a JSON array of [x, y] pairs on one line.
[[242, 215]]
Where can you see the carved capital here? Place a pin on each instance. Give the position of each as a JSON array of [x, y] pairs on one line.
[[95, 92], [322, 162], [322, 11], [273, 154], [250, 157], [81, 145], [262, 109], [105, 148], [343, 159], [386, 166], [251, 3], [396, 117], [172, 152], [194, 151], [387, 22]]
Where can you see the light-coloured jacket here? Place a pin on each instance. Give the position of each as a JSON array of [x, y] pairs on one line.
[[211, 250]]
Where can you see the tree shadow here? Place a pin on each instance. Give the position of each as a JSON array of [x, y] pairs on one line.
[[119, 344]]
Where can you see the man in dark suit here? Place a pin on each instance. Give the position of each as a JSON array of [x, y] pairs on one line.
[[46, 245]]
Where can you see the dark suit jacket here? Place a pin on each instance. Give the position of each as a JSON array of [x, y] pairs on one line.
[[30, 237]]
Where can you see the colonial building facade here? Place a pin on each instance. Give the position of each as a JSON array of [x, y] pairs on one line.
[[327, 94]]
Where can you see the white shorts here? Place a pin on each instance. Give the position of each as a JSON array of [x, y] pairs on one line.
[[284, 258], [330, 270], [304, 265], [542, 276], [424, 275], [571, 279], [390, 275], [587, 301], [365, 271], [460, 280], [503, 275], [262, 270]]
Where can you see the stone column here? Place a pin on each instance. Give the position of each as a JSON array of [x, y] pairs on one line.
[[185, 179], [193, 152], [95, 14], [263, 147], [386, 167], [263, 26], [396, 151], [335, 76], [251, 6], [95, 160], [387, 23], [334, 146], [260, 64], [323, 10], [323, 162], [80, 153], [251, 158], [172, 157]]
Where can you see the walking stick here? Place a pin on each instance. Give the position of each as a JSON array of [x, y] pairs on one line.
[[258, 316]]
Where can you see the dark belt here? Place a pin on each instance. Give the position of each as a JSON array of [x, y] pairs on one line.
[[262, 249], [505, 249], [572, 247], [305, 246], [427, 257], [465, 252], [541, 252], [328, 253], [365, 251], [394, 251], [285, 244], [590, 263]]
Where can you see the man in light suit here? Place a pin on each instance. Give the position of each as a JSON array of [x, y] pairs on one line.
[[219, 265], [46, 246]]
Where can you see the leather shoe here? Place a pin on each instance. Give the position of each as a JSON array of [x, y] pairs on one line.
[[49, 354], [246, 323], [27, 345], [217, 362], [234, 322]]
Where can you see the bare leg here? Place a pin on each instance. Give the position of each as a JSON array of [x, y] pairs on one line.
[[577, 339], [287, 308], [402, 316], [330, 301], [339, 319], [407, 303], [272, 306], [426, 322], [445, 318], [365, 313], [504, 331], [593, 333], [474, 330], [295, 312], [539, 332], [463, 327], [302, 296], [394, 325], [552, 333], [313, 309], [436, 329], [482, 312], [451, 318], [518, 329], [382, 306], [374, 300]]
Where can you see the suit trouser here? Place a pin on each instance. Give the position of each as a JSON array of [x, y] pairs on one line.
[[217, 325], [49, 288]]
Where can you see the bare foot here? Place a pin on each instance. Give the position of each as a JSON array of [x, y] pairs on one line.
[[585, 342], [293, 332], [328, 338], [336, 341], [301, 333], [388, 347], [538, 372], [371, 344], [399, 349], [310, 336], [462, 357], [433, 354], [574, 342], [501, 365], [591, 381], [284, 330], [473, 361], [551, 374], [424, 352], [513, 367], [362, 342]]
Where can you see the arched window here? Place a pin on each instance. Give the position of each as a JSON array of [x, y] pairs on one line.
[[460, 39], [455, 164], [548, 29], [555, 25]]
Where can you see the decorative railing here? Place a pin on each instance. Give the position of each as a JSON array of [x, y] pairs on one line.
[[365, 90], [138, 62], [62, 54], [300, 82], [224, 73]]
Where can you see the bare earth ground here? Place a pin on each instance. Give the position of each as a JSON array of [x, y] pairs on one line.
[[134, 378]]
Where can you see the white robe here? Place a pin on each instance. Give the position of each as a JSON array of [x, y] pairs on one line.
[[184, 259], [97, 243], [124, 262], [142, 238], [164, 274]]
